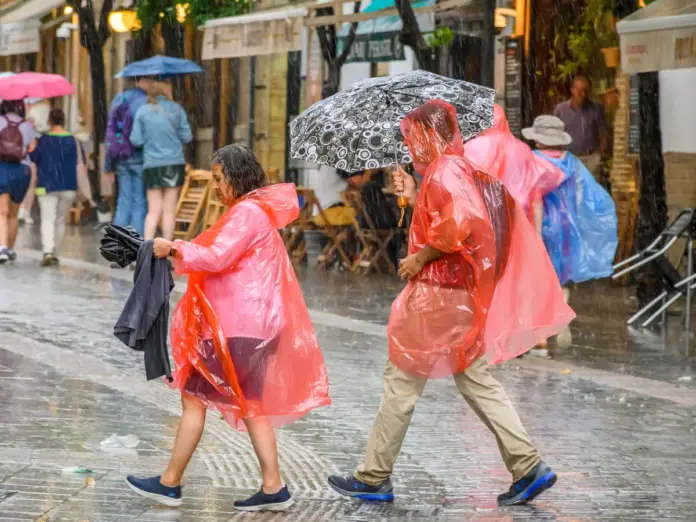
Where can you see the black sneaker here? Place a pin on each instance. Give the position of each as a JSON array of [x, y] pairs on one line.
[[352, 487], [12, 254], [4, 255], [529, 487], [153, 489], [264, 502]]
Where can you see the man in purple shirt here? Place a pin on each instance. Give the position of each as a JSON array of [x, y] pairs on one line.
[[584, 121]]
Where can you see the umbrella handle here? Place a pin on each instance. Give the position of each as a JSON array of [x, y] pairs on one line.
[[402, 201]]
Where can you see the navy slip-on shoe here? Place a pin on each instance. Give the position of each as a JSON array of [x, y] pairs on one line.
[[261, 501], [353, 488], [153, 489], [529, 487]]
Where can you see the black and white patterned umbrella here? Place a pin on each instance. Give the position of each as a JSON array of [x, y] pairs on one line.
[[358, 129]]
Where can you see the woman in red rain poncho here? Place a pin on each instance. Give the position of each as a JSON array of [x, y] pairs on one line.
[[527, 177], [242, 339], [481, 290]]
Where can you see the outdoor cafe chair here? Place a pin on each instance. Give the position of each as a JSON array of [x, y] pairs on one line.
[[373, 241], [675, 285]]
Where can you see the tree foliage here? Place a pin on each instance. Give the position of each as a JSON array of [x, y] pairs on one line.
[[198, 12]]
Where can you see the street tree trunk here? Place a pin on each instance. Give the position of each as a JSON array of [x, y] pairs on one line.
[[412, 37], [93, 37], [652, 205], [328, 40]]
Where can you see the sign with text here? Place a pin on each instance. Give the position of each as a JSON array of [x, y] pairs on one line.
[[514, 96], [633, 116], [374, 48], [19, 38], [645, 51], [254, 38]]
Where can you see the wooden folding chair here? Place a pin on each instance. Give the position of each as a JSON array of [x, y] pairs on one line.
[[214, 209], [374, 241], [192, 202], [293, 234]]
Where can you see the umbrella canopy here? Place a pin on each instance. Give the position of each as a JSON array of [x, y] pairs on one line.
[[26, 100], [161, 66], [34, 85], [358, 129]]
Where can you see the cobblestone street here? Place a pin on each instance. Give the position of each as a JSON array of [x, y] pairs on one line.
[[623, 442]]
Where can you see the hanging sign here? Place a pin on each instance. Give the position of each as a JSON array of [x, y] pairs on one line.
[[374, 48], [19, 38], [254, 38]]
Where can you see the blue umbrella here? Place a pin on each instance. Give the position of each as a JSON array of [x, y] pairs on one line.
[[160, 66]]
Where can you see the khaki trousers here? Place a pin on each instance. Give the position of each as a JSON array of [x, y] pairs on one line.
[[484, 394]]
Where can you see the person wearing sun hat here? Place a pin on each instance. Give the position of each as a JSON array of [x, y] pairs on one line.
[[579, 223]]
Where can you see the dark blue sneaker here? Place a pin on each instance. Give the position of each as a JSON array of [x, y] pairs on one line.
[[264, 502], [529, 487], [153, 489], [352, 487]]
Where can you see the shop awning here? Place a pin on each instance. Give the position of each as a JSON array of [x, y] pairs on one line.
[[28, 10], [377, 39], [256, 34], [658, 37]]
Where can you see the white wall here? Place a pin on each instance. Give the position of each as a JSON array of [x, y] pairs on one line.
[[678, 110]]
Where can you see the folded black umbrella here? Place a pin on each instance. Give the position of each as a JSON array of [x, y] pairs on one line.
[[120, 245]]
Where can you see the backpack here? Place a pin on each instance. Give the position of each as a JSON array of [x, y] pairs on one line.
[[12, 142], [118, 132]]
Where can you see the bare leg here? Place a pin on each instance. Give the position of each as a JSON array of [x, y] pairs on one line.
[[188, 435], [12, 224], [264, 441], [171, 198], [154, 212], [4, 217], [29, 199]]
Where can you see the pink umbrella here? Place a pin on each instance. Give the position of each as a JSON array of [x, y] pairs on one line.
[[34, 85]]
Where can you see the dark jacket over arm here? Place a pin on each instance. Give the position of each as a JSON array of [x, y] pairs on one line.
[[144, 322]]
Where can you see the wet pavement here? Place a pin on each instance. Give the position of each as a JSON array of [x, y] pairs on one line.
[[619, 431]]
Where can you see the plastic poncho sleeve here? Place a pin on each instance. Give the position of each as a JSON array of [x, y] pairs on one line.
[[450, 226], [227, 248]]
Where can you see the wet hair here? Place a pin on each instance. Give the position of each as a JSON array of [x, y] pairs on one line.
[[56, 117], [435, 116], [13, 107], [241, 168]]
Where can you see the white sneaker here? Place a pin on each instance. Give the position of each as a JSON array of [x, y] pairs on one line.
[[564, 339], [25, 217]]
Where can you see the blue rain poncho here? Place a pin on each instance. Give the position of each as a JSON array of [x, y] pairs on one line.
[[580, 224]]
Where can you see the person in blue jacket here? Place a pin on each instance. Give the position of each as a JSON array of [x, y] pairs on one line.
[[131, 205], [161, 128]]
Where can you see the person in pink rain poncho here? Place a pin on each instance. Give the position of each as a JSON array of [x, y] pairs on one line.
[[481, 289], [527, 177], [242, 340]]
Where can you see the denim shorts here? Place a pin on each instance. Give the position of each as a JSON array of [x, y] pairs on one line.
[[15, 179]]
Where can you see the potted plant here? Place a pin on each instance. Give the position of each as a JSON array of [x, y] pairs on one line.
[[605, 30]]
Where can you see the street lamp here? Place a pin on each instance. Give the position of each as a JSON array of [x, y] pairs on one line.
[[124, 20]]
